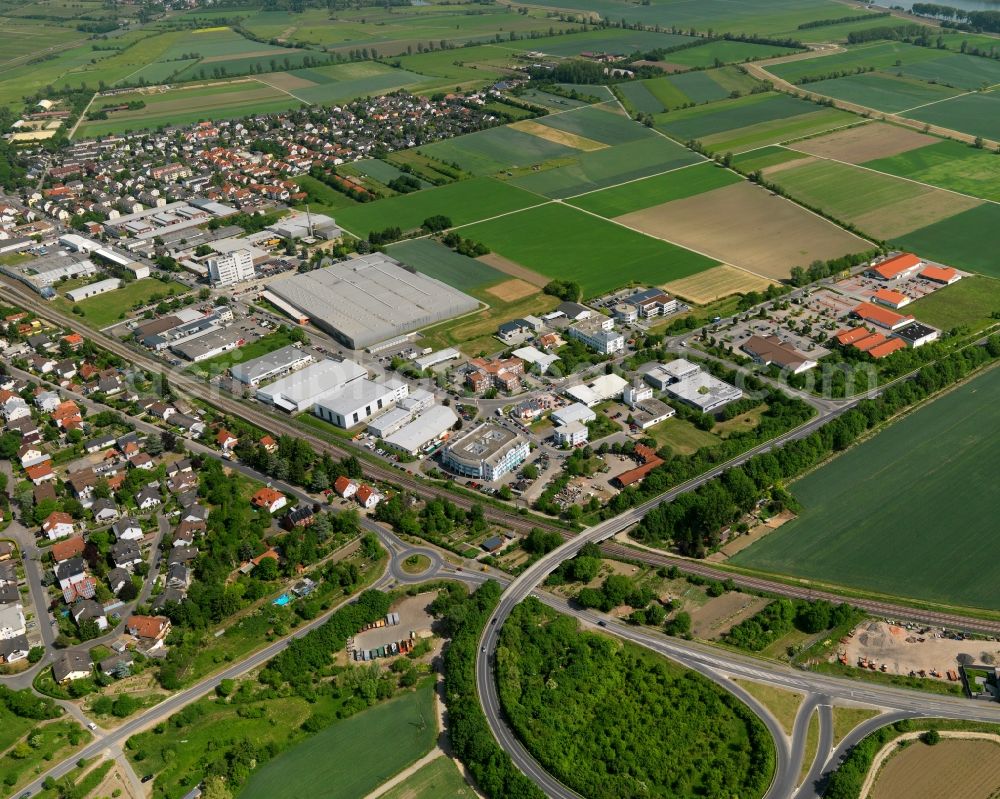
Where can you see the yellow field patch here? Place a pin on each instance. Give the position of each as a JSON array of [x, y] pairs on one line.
[[900, 218], [514, 269], [714, 283], [216, 29], [558, 136], [511, 290]]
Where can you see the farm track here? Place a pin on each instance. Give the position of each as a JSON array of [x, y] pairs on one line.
[[512, 520]]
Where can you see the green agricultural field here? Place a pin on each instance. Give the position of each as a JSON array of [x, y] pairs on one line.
[[600, 123], [488, 152], [971, 302], [316, 766], [439, 779], [963, 71], [463, 202], [948, 164], [562, 242], [676, 185], [382, 171], [342, 82], [322, 198], [880, 55], [105, 309], [469, 64], [908, 513], [603, 168], [637, 97], [556, 102], [187, 104], [434, 259], [613, 40], [724, 52], [881, 91], [964, 240], [975, 114], [765, 157]]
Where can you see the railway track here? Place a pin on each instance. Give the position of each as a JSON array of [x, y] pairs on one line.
[[198, 389]]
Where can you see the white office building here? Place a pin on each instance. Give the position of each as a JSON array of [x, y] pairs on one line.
[[689, 383], [234, 267], [487, 452], [359, 401]]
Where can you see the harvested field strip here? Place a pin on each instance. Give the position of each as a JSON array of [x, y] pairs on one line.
[[639, 194], [953, 767], [594, 122], [512, 290], [865, 143], [744, 225], [864, 526], [961, 240], [713, 284], [508, 267], [562, 137]]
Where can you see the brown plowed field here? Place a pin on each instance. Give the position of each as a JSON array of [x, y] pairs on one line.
[[865, 143], [952, 768], [748, 227]]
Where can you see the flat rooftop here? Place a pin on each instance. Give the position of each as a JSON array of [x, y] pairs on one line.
[[370, 299]]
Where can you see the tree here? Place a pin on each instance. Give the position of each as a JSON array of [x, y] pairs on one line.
[[680, 624], [266, 570], [215, 788], [931, 737]]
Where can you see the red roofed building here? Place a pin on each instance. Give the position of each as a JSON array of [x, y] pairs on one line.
[[367, 497], [345, 487], [39, 473], [891, 299], [869, 341], [270, 499], [940, 274], [882, 317], [887, 348], [75, 340], [269, 444], [271, 553], [153, 628], [850, 335], [898, 267], [70, 548], [649, 460], [226, 440]]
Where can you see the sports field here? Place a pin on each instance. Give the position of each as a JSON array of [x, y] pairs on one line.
[[745, 225], [434, 259], [880, 205], [908, 513], [316, 766], [462, 202], [562, 242], [675, 185], [964, 240], [948, 164]]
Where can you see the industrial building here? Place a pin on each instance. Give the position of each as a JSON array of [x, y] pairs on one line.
[[897, 267], [577, 412], [271, 366], [358, 401], [301, 226], [428, 427], [93, 289], [208, 345], [883, 317], [689, 383], [598, 390], [302, 389], [917, 334], [598, 333], [767, 350], [487, 452], [40, 274], [432, 359], [572, 434], [233, 267], [369, 299], [169, 218]]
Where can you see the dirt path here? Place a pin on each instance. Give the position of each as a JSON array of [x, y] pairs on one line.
[[886, 751]]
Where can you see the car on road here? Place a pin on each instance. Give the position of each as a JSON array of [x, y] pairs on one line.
[[602, 623], [147, 778], [91, 726]]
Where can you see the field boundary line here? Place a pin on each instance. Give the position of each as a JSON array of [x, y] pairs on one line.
[[899, 177], [989, 88], [278, 88], [636, 180]]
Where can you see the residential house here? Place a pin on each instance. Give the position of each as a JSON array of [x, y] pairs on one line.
[[67, 549], [345, 487], [148, 498], [14, 649], [40, 473], [117, 579], [99, 443], [126, 554], [269, 499], [178, 576], [269, 444], [88, 610], [126, 529], [182, 481], [31, 455], [142, 460], [104, 511], [58, 525], [12, 622], [148, 628], [367, 497], [299, 516], [227, 441], [71, 665]]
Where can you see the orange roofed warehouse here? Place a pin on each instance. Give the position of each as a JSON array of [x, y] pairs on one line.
[[898, 267], [882, 317]]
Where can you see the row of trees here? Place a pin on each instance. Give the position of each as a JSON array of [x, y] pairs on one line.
[[780, 616]]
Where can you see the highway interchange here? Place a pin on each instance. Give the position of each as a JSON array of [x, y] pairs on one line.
[[718, 665]]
